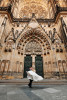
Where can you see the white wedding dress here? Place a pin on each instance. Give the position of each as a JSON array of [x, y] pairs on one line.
[[34, 76]]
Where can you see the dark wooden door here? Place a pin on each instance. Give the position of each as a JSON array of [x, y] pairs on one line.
[[27, 64], [39, 65]]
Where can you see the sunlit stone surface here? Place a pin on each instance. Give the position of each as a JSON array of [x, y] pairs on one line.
[[36, 29]]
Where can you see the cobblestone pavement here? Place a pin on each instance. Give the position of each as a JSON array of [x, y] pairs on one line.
[[37, 92]]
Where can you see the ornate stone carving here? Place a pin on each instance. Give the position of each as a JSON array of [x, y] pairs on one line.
[[38, 7], [33, 47]]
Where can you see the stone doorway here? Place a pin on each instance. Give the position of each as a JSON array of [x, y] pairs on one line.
[[27, 64], [39, 65]]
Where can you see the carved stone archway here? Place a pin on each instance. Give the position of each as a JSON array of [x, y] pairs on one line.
[[33, 35], [34, 43]]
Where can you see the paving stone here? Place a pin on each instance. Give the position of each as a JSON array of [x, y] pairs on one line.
[[51, 90], [3, 97], [17, 97], [11, 93], [2, 85], [3, 91]]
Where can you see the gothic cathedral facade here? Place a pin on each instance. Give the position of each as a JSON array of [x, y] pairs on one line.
[[33, 33]]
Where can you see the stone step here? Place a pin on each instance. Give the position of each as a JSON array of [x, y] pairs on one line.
[[25, 82]]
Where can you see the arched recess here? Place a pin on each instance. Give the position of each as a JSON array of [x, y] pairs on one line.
[[38, 36], [34, 36]]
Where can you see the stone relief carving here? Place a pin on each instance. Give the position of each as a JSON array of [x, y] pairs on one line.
[[33, 47]]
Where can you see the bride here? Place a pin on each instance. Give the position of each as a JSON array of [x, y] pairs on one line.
[[33, 76]]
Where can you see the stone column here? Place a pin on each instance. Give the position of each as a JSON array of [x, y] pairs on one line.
[[33, 61]]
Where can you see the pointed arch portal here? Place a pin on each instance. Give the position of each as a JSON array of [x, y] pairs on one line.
[[33, 44]]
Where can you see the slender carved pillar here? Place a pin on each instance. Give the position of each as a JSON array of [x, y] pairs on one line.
[[33, 61]]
